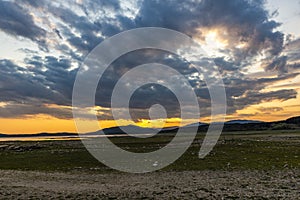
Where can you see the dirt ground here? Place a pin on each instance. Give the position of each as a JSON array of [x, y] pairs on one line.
[[158, 185]]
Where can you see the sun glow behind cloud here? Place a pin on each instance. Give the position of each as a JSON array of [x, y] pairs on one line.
[[211, 41]]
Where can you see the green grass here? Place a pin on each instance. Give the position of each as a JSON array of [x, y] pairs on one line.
[[234, 152], [242, 155], [53, 156]]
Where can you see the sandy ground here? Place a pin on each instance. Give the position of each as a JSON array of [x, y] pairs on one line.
[[158, 185]]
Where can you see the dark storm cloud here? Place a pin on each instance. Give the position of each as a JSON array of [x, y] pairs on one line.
[[78, 29], [84, 32], [279, 64], [244, 92], [288, 61], [255, 98], [13, 110], [19, 85], [128, 61], [243, 20], [241, 91], [225, 66], [17, 21], [87, 30], [58, 76], [27, 90]]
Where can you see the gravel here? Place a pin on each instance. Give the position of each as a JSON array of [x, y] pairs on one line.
[[158, 185]]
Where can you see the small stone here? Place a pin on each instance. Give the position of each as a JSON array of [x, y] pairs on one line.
[[155, 164]]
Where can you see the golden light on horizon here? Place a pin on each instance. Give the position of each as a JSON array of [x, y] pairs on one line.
[[43, 123], [151, 123], [269, 111], [36, 124], [265, 111], [159, 123]]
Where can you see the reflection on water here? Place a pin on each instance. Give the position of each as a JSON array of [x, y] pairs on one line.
[[57, 138], [42, 138]]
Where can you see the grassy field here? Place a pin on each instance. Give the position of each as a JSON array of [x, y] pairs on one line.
[[266, 150]]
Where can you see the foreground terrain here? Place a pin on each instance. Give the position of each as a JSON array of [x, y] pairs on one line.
[[243, 165], [159, 185]]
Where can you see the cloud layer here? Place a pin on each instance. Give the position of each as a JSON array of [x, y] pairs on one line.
[[66, 32]]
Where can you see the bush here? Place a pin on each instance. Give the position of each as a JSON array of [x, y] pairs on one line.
[[282, 126]]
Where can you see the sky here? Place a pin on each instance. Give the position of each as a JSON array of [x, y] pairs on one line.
[[254, 43]]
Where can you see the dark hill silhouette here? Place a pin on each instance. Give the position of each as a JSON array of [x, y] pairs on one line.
[[293, 120], [63, 134], [243, 122], [123, 129]]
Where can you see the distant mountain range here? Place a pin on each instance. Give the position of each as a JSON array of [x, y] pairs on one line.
[[233, 125], [196, 124], [243, 122], [64, 134], [125, 129]]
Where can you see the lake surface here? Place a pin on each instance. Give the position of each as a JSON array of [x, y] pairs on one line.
[[57, 138]]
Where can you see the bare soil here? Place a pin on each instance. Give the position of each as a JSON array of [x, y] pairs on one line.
[[283, 184]]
